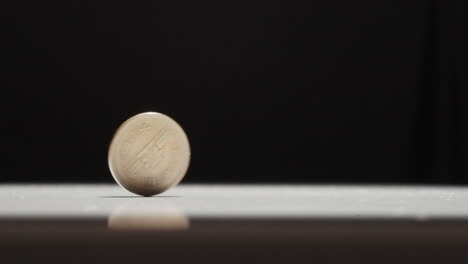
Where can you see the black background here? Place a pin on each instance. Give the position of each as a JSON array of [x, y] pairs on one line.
[[273, 91]]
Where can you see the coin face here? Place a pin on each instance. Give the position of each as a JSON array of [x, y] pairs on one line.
[[149, 154]]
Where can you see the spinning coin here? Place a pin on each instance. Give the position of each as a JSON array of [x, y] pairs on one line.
[[149, 154]]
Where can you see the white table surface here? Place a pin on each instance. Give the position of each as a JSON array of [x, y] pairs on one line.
[[237, 201], [103, 223]]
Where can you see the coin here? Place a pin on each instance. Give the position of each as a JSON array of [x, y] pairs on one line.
[[149, 153]]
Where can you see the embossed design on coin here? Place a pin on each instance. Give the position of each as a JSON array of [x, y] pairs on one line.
[[149, 153]]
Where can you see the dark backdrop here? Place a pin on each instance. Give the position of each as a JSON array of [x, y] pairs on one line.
[[269, 91]]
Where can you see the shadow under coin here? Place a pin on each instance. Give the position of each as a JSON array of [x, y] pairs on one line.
[[148, 214], [137, 196]]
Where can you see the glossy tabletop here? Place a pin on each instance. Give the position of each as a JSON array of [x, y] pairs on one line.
[[272, 222]]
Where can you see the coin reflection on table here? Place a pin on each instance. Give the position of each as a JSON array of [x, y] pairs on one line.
[[146, 214]]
